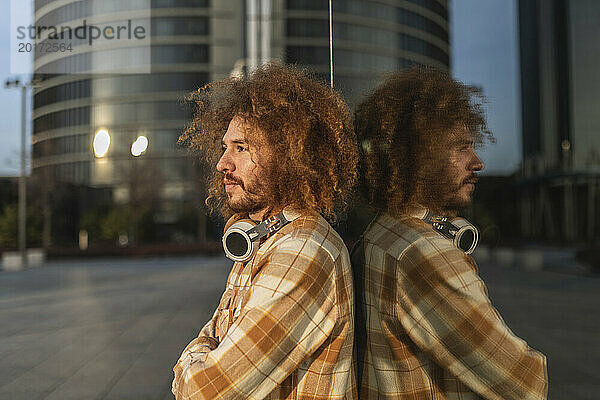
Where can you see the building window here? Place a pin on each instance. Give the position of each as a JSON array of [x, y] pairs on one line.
[[180, 3], [120, 85], [67, 91], [432, 5], [308, 28], [87, 8], [180, 54], [176, 26], [307, 5], [307, 55], [61, 119], [372, 10]]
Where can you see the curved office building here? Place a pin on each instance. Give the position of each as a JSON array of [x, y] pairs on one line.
[[371, 37], [85, 91]]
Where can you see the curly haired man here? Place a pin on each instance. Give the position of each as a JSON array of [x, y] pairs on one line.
[[425, 327], [281, 142]]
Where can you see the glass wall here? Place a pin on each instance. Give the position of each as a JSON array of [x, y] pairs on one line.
[[120, 85], [370, 38]]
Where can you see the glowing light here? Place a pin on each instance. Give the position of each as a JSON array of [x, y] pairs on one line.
[[139, 146], [101, 143]]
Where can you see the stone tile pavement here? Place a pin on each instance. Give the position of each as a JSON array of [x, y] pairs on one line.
[[108, 329], [558, 314], [112, 329]]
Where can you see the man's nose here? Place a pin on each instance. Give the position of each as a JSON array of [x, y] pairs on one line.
[[476, 163], [225, 163]]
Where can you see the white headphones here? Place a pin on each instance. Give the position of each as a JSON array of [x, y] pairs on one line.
[[241, 239], [463, 234]]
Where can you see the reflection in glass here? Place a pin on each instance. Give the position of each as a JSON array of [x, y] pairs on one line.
[[101, 143]]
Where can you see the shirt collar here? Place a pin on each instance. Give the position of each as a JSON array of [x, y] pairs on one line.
[[289, 212]]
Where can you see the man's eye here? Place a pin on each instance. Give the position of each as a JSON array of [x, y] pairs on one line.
[[241, 148]]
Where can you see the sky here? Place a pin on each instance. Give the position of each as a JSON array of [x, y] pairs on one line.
[[10, 103], [484, 53]]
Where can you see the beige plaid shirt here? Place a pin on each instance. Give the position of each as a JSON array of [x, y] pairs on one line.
[[284, 325], [425, 327]]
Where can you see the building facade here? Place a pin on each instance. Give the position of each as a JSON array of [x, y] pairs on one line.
[[370, 38], [560, 125]]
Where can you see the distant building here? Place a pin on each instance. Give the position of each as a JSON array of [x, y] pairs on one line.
[[194, 42], [560, 57]]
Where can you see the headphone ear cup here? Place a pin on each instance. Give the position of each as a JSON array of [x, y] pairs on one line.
[[241, 239], [237, 243], [467, 236]]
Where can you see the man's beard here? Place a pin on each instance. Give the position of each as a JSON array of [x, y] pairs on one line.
[[253, 199], [453, 199], [443, 195]]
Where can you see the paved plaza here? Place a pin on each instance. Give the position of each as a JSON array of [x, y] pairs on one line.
[[112, 329]]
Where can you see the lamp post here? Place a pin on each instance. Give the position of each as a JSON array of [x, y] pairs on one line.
[[138, 149], [22, 178], [101, 145]]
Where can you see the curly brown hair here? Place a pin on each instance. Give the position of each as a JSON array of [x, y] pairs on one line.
[[404, 130], [305, 123]]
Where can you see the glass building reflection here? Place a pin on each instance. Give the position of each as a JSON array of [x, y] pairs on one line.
[[371, 38], [192, 43]]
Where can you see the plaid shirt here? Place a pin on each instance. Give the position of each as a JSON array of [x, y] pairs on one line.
[[425, 327], [284, 325]]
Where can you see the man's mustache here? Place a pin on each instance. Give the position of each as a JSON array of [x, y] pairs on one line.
[[230, 179], [471, 179], [252, 188]]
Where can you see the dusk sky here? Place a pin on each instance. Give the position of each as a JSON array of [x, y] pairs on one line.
[[484, 53]]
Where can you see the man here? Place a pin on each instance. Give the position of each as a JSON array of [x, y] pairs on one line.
[[284, 326], [425, 326]]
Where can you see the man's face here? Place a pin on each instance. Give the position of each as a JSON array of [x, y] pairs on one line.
[[462, 168], [244, 178]]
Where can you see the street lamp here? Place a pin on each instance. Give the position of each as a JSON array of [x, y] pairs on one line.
[[101, 143], [22, 178], [139, 146]]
